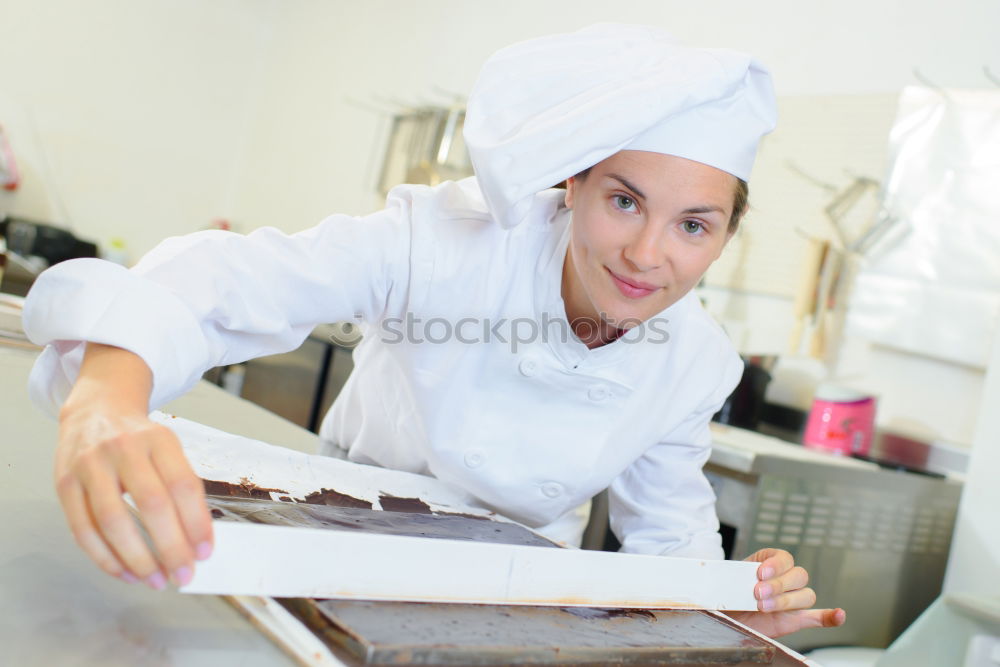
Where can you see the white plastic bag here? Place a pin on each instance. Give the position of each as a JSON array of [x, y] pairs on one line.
[[932, 284]]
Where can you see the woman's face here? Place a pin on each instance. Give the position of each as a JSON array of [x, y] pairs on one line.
[[646, 227]]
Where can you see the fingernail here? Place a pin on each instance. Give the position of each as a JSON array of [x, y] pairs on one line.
[[128, 578], [767, 572], [157, 581], [182, 575], [203, 550], [767, 605], [765, 591]]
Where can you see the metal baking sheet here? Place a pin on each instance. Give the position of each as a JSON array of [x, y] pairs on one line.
[[399, 633]]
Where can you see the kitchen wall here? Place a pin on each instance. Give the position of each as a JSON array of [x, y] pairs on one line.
[[128, 119], [146, 118]]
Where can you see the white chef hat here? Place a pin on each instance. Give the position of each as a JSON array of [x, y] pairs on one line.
[[546, 109]]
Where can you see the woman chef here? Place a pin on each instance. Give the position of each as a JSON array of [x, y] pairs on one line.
[[530, 345]]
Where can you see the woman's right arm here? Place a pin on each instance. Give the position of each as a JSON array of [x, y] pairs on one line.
[[108, 445], [120, 343]]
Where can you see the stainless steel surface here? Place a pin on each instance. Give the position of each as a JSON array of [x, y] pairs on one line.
[[425, 146], [874, 541], [301, 385], [58, 608], [398, 633], [20, 272], [287, 384], [895, 450]]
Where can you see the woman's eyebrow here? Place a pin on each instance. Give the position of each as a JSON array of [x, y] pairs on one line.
[[688, 211], [628, 185], [703, 209]]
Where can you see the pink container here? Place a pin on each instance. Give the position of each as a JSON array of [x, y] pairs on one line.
[[841, 421]]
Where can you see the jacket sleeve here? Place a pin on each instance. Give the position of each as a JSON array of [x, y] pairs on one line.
[[214, 298], [662, 504]]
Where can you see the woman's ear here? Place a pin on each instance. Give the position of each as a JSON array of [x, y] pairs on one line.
[[570, 189]]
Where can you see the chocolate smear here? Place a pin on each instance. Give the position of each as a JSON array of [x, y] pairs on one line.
[[594, 612], [245, 489], [411, 505], [368, 520], [333, 498]]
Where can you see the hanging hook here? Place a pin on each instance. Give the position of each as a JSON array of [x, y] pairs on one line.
[[358, 104], [795, 168], [991, 76], [457, 99], [866, 180], [930, 84], [401, 106]]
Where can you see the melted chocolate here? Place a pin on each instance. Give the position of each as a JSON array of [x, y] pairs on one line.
[[593, 612], [332, 498], [398, 633], [245, 489], [328, 508], [412, 505], [411, 524]]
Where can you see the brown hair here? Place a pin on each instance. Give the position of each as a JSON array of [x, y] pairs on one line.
[[741, 199], [741, 204]]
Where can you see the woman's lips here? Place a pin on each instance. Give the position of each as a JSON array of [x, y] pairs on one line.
[[631, 288]]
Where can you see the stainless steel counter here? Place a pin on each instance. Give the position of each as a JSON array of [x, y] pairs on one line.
[[58, 608]]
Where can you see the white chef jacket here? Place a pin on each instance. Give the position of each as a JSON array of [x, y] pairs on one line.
[[448, 379]]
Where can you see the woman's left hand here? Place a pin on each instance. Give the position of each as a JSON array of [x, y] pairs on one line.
[[783, 598]]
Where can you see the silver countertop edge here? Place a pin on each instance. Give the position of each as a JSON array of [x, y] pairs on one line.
[[741, 450]]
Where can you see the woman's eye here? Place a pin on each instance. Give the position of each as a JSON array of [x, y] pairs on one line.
[[625, 203], [692, 226]]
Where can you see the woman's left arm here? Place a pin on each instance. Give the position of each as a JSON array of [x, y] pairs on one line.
[[784, 599]]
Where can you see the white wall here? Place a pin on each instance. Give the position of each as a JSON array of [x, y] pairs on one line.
[[151, 117], [314, 147], [147, 118], [128, 118]]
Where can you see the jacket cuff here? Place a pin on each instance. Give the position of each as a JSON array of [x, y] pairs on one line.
[[91, 300]]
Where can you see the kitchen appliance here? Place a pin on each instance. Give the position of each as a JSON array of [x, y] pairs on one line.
[[841, 421], [745, 405], [33, 247], [425, 146], [875, 541]]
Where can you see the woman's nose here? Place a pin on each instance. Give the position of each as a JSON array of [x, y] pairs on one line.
[[645, 252]]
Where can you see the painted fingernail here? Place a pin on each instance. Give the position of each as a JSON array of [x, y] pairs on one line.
[[767, 572], [765, 591], [767, 605], [157, 581], [182, 575], [203, 550], [128, 578]]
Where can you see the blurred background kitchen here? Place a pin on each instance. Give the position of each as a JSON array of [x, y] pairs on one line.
[[867, 270]]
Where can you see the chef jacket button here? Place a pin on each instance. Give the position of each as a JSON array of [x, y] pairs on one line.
[[552, 489], [528, 367], [475, 458], [597, 393]]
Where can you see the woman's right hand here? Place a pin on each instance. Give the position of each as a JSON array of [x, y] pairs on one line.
[[107, 446]]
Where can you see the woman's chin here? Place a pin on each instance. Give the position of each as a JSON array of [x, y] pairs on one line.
[[622, 316]]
